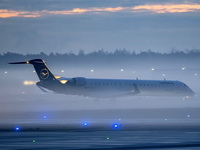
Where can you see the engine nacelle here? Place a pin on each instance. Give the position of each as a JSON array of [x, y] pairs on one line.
[[78, 81]]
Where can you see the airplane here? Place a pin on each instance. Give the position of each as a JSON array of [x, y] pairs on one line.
[[106, 88]]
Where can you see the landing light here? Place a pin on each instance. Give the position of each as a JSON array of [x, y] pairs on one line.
[[91, 70], [62, 71], [152, 69], [121, 70], [5, 72]]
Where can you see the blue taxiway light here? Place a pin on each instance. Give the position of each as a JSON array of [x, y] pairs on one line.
[[45, 117], [116, 125], [17, 128], [85, 124]]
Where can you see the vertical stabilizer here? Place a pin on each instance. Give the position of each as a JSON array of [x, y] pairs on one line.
[[41, 69]]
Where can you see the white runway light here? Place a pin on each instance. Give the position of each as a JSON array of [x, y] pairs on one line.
[[62, 71], [183, 68]]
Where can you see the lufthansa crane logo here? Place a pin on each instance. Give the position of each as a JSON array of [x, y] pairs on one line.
[[44, 74]]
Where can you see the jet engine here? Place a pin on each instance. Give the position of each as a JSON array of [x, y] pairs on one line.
[[78, 81]]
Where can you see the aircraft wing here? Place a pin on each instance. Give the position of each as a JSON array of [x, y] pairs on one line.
[[133, 92]]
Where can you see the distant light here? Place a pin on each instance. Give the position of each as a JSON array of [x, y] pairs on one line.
[[33, 70], [62, 71], [163, 75], [34, 141], [91, 70], [17, 128], [107, 138], [133, 71], [195, 74], [45, 117], [85, 123], [188, 116], [116, 126], [5, 72], [152, 69], [23, 92], [187, 97], [29, 82], [165, 119], [119, 119], [183, 68], [121, 70]]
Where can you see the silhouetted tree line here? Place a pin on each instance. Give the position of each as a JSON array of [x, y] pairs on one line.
[[102, 57]]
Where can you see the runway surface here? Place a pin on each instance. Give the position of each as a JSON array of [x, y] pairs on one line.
[[132, 138], [59, 122]]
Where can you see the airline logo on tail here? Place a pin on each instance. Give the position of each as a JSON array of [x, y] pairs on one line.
[[44, 73]]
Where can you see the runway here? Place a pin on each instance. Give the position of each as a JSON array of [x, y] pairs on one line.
[[60, 122], [132, 138]]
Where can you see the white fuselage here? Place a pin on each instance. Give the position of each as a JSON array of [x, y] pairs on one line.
[[102, 88]]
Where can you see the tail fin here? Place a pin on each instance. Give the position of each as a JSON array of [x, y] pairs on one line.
[[40, 67]]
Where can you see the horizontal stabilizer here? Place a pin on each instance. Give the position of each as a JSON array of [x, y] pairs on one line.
[[23, 62]]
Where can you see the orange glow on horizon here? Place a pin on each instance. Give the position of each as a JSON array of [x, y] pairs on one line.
[[165, 8], [5, 13], [168, 8]]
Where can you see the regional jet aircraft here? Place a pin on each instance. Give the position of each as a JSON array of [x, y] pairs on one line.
[[105, 88]]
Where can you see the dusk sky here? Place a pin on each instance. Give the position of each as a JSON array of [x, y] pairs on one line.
[[34, 26]]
